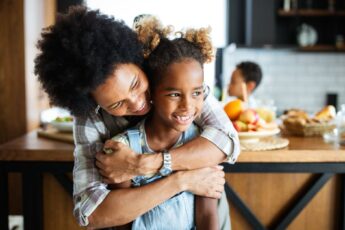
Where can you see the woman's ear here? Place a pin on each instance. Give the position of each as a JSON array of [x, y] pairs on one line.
[[250, 86]]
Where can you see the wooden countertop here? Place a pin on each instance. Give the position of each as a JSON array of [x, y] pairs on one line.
[[32, 148], [300, 149], [308, 149]]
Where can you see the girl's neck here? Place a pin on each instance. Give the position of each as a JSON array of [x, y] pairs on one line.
[[158, 135]]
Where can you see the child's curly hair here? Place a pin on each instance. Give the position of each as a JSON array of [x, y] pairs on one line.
[[160, 50], [79, 52]]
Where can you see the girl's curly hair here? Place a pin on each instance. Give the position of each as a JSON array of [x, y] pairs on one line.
[[79, 52], [161, 50]]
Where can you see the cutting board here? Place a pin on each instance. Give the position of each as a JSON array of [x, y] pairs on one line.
[[56, 135]]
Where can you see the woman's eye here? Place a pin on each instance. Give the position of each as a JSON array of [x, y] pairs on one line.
[[117, 105], [136, 84]]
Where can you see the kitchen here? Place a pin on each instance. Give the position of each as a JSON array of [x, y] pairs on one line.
[[293, 77]]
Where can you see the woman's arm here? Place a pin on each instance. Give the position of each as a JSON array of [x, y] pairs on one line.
[[218, 142], [123, 205], [206, 214]]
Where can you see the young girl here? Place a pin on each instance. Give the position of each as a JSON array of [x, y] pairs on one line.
[[175, 70]]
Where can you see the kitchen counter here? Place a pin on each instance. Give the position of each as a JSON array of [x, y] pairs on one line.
[[308, 149], [33, 156], [311, 149]]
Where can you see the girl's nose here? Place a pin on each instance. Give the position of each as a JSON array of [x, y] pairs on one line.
[[186, 103]]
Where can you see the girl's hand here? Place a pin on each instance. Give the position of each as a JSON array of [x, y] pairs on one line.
[[208, 182], [119, 166]]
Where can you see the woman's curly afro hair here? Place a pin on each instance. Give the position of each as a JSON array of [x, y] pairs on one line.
[[79, 52]]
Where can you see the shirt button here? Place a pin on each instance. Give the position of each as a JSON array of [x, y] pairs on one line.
[[79, 198], [232, 135]]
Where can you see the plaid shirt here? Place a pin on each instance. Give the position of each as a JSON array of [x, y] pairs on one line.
[[90, 133]]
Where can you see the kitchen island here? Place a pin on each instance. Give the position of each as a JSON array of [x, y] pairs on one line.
[[299, 187], [268, 188]]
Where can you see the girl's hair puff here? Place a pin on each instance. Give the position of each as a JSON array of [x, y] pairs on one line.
[[150, 30], [161, 50], [201, 37]]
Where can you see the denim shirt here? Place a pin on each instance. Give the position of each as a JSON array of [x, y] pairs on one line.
[[176, 212]]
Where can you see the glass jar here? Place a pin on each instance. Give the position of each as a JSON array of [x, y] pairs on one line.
[[340, 123]]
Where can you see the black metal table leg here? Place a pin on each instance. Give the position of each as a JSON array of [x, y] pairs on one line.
[[3, 200], [303, 201], [243, 208], [32, 200], [65, 182]]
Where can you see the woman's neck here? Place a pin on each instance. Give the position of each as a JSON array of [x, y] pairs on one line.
[[158, 135]]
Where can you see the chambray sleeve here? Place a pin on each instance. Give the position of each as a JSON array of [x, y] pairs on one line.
[[88, 189], [218, 129]]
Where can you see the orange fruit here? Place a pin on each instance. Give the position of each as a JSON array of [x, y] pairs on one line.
[[234, 108]]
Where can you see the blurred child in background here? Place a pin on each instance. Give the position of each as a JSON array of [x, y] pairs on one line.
[[244, 80]]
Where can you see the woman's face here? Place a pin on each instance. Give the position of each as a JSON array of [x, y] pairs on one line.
[[125, 92], [178, 98]]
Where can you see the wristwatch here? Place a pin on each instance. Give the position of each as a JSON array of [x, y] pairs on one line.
[[166, 167]]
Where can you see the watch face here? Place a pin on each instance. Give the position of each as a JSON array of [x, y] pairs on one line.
[[165, 171]]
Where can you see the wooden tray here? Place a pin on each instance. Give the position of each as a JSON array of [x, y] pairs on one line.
[[56, 135]]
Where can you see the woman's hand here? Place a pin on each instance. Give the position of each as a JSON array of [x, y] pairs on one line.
[[208, 182], [119, 166]]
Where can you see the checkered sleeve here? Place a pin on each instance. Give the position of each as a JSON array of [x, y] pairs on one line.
[[218, 129], [89, 191]]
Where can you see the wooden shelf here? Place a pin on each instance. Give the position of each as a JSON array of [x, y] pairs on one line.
[[321, 48], [310, 13]]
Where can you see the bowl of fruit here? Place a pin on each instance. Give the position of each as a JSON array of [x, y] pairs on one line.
[[251, 123], [63, 124]]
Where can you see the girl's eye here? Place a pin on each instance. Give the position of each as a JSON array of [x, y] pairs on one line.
[[197, 93], [117, 105], [174, 95]]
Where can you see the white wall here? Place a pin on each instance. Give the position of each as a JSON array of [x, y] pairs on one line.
[[293, 79], [179, 13], [37, 15]]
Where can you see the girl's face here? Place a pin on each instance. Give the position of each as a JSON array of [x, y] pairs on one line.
[[178, 98], [125, 92]]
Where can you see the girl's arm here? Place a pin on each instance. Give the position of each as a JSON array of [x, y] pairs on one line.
[[206, 215], [123, 205], [218, 142]]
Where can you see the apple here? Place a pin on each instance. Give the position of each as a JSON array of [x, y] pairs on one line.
[[249, 116], [240, 126], [252, 127]]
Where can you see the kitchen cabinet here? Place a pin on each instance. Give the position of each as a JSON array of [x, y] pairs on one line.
[[252, 23], [268, 23], [326, 17]]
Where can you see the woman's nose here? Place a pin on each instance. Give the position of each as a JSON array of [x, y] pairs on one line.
[[134, 102]]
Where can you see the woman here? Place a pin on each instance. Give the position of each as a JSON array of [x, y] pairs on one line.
[[91, 64]]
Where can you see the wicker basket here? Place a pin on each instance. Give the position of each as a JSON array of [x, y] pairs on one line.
[[308, 130]]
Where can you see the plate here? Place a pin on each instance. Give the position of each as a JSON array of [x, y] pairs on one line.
[[255, 136], [62, 126]]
